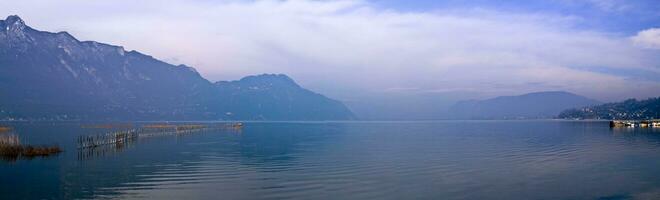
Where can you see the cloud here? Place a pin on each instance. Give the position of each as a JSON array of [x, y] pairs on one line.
[[649, 38], [340, 47], [611, 5]]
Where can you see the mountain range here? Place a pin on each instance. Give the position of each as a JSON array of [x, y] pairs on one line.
[[536, 105], [54, 76]]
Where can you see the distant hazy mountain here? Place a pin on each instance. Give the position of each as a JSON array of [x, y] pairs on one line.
[[275, 97], [47, 75], [629, 109], [402, 106], [527, 106]]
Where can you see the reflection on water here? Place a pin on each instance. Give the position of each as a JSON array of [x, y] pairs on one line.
[[633, 130], [106, 150], [365, 160]]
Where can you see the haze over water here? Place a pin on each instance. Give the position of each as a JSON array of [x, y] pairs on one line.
[[349, 160]]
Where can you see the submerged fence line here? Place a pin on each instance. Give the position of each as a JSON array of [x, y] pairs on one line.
[[126, 136], [90, 141]]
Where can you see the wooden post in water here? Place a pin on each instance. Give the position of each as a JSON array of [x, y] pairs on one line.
[[125, 136]]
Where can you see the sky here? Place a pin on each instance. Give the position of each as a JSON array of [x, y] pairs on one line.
[[353, 49]]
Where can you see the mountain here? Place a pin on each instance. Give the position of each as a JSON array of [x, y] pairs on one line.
[[47, 75], [275, 97], [629, 109], [528, 106]]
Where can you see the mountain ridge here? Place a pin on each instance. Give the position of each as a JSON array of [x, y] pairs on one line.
[[47, 75], [534, 105]]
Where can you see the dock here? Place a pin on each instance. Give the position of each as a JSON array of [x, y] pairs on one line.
[[654, 123]]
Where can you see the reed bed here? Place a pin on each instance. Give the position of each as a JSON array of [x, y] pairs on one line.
[[158, 126], [4, 129], [9, 140], [28, 152], [12, 149], [106, 126], [189, 127]]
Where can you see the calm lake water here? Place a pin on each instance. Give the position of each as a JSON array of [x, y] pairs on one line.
[[348, 160]]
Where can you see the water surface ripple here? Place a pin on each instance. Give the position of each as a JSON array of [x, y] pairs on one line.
[[352, 160]]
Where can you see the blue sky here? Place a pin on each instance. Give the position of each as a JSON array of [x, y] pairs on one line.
[[349, 49], [626, 17]]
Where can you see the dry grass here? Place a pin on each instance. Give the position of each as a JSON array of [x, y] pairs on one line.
[[9, 140], [31, 151], [18, 151], [11, 149], [176, 127], [106, 126], [189, 127], [4, 129], [158, 126]]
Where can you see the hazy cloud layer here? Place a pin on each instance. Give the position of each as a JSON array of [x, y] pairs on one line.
[[649, 38], [342, 47]]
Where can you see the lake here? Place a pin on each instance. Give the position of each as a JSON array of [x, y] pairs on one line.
[[347, 160]]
